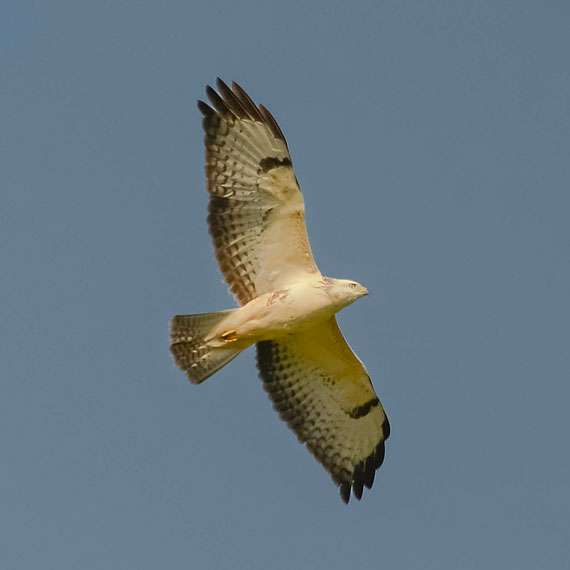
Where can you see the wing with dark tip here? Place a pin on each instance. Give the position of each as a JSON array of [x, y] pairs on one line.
[[322, 390], [256, 212]]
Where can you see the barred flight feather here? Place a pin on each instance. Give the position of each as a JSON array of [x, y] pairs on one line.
[[250, 176]]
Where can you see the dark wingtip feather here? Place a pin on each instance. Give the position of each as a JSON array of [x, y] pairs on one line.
[[369, 472], [218, 103], [345, 492], [231, 100], [205, 109], [237, 102], [246, 102], [386, 428], [379, 454], [272, 123], [357, 481], [237, 87]]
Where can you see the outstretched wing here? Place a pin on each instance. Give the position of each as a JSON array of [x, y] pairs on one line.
[[322, 390], [256, 211]]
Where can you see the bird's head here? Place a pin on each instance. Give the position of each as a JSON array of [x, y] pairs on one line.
[[345, 291]]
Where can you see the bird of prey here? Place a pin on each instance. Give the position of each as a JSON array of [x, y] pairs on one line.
[[287, 307]]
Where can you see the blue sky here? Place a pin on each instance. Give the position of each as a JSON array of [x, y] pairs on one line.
[[431, 141]]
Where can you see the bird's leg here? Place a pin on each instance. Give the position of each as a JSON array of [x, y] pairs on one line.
[[229, 336]]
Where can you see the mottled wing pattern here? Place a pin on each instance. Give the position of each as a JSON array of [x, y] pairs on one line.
[[256, 212], [322, 390]]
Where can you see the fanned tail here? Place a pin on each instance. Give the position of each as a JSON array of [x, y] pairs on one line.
[[190, 348]]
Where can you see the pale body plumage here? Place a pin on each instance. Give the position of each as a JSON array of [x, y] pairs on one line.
[[288, 311], [256, 218]]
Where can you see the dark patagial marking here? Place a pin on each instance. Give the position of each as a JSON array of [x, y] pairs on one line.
[[363, 410], [272, 162]]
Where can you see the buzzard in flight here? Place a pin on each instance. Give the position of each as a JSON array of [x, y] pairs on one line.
[[287, 307]]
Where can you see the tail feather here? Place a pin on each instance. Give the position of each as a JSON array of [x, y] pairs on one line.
[[190, 349]]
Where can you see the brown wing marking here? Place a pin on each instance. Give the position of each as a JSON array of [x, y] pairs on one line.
[[256, 210], [320, 388]]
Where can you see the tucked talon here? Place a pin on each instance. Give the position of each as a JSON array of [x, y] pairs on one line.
[[229, 336]]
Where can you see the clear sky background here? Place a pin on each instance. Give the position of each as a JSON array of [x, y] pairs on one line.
[[432, 143]]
